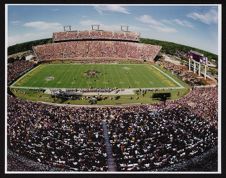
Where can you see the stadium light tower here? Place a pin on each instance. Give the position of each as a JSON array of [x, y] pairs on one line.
[[124, 28], [67, 28], [95, 27]]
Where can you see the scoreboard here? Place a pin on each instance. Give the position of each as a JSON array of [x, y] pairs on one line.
[[198, 57], [203, 60]]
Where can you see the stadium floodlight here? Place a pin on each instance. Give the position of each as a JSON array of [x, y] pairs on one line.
[[67, 28], [124, 28], [95, 27]]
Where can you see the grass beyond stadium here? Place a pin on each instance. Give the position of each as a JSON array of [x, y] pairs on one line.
[[98, 76]]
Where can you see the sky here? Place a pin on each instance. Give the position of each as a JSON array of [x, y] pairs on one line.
[[195, 26]]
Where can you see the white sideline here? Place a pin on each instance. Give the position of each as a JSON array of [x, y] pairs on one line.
[[168, 76], [20, 78], [44, 88]]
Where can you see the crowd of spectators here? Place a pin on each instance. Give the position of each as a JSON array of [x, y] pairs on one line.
[[182, 72], [149, 140], [202, 102], [96, 49], [59, 136], [143, 137], [95, 34], [17, 68]]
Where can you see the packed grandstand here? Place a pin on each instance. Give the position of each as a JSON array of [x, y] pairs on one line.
[[146, 137], [96, 35], [96, 44]]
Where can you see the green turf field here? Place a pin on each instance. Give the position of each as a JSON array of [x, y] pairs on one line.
[[97, 76]]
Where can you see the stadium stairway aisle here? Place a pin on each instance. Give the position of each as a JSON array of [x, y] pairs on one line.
[[110, 159]]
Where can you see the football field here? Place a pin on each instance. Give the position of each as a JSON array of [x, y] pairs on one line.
[[97, 76]]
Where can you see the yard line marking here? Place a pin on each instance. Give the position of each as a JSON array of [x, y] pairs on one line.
[[127, 78], [143, 75], [77, 73], [112, 77], [104, 76], [167, 76]]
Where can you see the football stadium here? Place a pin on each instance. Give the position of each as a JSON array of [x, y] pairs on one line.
[[107, 101], [72, 71]]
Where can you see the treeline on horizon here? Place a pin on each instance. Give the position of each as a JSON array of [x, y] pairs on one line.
[[167, 47], [173, 48], [27, 45]]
